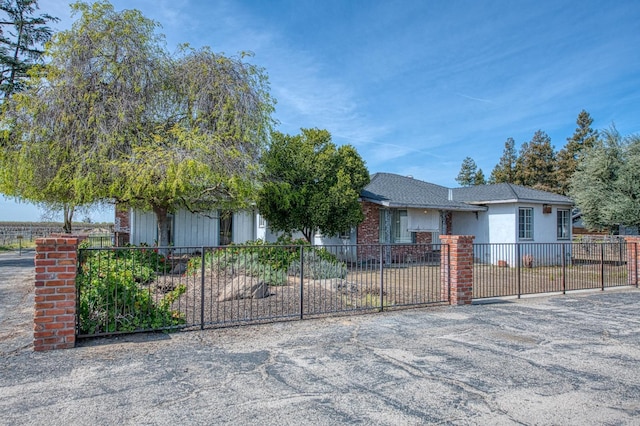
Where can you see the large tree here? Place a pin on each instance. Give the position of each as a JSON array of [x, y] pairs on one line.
[[115, 117], [568, 157], [468, 172], [310, 184], [505, 170], [22, 37], [606, 183], [536, 164]]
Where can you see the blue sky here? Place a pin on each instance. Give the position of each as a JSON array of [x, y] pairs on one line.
[[417, 86]]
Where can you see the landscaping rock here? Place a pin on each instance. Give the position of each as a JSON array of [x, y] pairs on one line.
[[244, 287]]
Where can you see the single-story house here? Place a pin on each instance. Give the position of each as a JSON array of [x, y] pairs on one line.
[[398, 210]]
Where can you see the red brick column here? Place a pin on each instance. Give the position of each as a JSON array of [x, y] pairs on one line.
[[456, 265], [633, 259], [55, 294]]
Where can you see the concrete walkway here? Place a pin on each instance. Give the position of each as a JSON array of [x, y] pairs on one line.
[[551, 360]]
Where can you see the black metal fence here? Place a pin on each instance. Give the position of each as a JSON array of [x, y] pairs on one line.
[[527, 268], [129, 289]]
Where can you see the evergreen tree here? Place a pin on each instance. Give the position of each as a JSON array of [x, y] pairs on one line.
[[468, 172], [479, 178], [606, 183], [22, 36], [505, 170], [568, 157], [536, 164]]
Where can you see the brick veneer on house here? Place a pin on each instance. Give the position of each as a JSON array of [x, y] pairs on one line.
[[633, 259], [55, 293], [456, 264]]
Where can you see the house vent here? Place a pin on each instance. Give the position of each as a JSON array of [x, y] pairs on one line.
[[450, 195]]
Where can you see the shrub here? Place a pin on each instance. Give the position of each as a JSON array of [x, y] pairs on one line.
[[317, 266], [114, 295], [271, 262]]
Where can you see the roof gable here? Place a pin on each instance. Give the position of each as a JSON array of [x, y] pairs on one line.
[[394, 190], [507, 193], [401, 191]]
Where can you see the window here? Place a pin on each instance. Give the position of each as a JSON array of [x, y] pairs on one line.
[[563, 224], [525, 223], [399, 227], [262, 222], [226, 228]]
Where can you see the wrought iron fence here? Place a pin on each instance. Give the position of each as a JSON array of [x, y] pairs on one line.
[[130, 289], [527, 268]]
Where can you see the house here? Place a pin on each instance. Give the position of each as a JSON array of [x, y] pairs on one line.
[[401, 209], [398, 210]]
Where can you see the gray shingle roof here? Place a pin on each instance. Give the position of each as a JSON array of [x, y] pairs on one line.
[[507, 192], [400, 191]]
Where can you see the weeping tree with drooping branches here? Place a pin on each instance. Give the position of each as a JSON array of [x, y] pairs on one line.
[[113, 116]]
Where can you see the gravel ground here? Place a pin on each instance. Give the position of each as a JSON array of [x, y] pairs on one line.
[[547, 360]]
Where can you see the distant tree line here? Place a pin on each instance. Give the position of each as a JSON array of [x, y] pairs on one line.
[[599, 170], [536, 164]]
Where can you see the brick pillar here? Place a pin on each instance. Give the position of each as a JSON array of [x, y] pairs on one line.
[[122, 225], [633, 259], [55, 294], [456, 266]]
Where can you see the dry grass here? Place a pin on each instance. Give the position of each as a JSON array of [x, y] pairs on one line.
[[360, 290]]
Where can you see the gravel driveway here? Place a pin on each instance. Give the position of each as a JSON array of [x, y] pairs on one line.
[[548, 360]]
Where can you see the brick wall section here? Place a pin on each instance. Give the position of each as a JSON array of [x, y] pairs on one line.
[[55, 293], [122, 225], [633, 259], [368, 229], [368, 233], [456, 266]]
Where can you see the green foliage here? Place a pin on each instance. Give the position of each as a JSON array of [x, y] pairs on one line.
[[316, 266], [113, 116], [311, 184], [505, 170], [606, 184], [568, 157], [479, 178], [468, 172], [22, 35], [271, 262], [536, 165], [115, 295]]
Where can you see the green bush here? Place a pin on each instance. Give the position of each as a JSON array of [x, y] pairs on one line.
[[317, 266], [115, 296], [271, 262]]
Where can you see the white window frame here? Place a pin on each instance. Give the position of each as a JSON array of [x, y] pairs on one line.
[[525, 223], [399, 218], [563, 224]]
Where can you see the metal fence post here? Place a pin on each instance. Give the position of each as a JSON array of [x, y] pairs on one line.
[[202, 289], [564, 269], [602, 265], [381, 281], [518, 267], [301, 282]]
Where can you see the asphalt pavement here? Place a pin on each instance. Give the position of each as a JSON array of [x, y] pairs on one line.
[[570, 360]]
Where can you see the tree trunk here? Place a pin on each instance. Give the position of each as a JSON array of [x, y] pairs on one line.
[[67, 211], [162, 218]]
